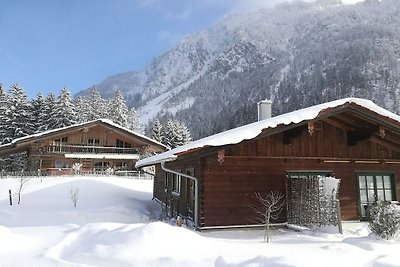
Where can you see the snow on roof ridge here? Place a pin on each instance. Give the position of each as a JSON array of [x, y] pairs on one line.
[[250, 131]]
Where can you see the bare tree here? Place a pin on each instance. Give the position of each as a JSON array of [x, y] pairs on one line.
[[74, 194], [22, 181], [271, 206]]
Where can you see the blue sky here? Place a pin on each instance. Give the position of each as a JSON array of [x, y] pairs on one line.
[[46, 45]]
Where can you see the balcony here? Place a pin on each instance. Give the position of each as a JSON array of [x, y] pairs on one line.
[[81, 149]]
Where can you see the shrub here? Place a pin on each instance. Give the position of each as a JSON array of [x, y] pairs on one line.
[[384, 219]]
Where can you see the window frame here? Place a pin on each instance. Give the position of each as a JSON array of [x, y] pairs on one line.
[[176, 184], [375, 189]]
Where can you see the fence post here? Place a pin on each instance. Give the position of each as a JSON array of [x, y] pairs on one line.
[[9, 193], [339, 216]]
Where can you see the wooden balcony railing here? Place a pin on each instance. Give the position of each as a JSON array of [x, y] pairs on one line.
[[90, 149]]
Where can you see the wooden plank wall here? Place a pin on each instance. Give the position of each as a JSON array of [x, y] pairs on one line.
[[229, 187], [261, 165]]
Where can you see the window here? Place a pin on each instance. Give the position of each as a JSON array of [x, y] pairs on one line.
[[121, 166], [58, 143], [122, 144], [93, 142], [61, 163], [101, 165], [176, 183], [374, 187], [62, 140]]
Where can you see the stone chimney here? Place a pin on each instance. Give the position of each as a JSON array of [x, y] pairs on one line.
[[264, 109]]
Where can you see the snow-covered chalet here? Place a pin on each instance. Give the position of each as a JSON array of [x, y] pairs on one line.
[[212, 181], [95, 147]]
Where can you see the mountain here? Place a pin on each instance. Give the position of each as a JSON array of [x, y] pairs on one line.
[[296, 54]]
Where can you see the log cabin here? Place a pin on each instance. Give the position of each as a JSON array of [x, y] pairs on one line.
[[97, 146], [212, 181]]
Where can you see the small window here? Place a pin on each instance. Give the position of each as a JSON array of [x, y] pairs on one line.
[[122, 144], [60, 141], [60, 164], [93, 142], [176, 183]]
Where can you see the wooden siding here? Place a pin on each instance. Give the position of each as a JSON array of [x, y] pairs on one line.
[[45, 152], [230, 186]]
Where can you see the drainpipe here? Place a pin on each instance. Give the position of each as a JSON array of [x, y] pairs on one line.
[[196, 191]]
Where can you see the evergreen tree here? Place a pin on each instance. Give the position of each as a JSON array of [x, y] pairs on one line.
[[158, 131], [65, 114], [18, 124], [118, 109], [50, 108], [83, 109], [19, 113], [133, 120], [3, 114], [39, 113], [97, 105], [176, 134]]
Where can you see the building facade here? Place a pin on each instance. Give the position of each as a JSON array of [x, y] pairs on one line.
[[95, 147], [213, 181]]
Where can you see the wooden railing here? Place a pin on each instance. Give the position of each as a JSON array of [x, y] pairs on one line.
[[90, 149]]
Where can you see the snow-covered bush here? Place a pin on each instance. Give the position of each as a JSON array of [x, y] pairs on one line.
[[384, 219]]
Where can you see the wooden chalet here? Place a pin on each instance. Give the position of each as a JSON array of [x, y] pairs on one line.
[[213, 180], [96, 145]]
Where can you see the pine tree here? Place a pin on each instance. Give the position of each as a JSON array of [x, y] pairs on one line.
[[97, 105], [65, 114], [19, 113], [39, 113], [18, 124], [133, 120], [118, 109], [158, 131], [51, 121], [176, 134], [4, 107], [83, 109]]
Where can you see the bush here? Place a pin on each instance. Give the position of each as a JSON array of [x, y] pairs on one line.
[[384, 220]]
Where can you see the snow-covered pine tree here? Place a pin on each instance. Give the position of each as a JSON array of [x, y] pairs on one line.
[[19, 113], [18, 124], [3, 114], [39, 113], [65, 114], [83, 109], [118, 109], [97, 105], [133, 120], [176, 134], [51, 119], [158, 131]]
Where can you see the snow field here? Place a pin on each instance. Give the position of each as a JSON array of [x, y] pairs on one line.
[[115, 224]]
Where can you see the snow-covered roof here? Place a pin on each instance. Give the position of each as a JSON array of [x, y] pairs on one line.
[[105, 121], [252, 130]]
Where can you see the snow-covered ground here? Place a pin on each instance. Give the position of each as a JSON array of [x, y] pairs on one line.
[[115, 224]]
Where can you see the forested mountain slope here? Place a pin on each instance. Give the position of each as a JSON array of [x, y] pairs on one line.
[[296, 54]]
